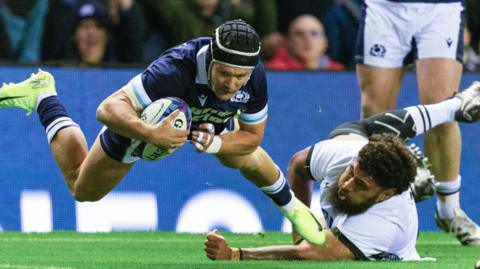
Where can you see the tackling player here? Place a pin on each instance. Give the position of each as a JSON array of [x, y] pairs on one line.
[[364, 186], [219, 77]]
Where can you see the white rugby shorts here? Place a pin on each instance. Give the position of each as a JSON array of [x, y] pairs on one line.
[[394, 34]]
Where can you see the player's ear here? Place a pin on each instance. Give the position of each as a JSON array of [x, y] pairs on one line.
[[386, 194]]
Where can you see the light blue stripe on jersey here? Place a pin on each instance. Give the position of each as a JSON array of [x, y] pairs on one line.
[[139, 91], [254, 118]]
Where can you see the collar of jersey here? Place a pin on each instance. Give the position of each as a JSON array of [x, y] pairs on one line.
[[202, 77]]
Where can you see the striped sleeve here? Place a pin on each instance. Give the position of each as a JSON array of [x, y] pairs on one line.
[[139, 95], [254, 118]]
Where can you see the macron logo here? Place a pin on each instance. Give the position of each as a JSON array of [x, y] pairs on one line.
[[202, 98], [449, 42]]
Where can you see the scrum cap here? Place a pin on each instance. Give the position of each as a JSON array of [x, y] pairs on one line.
[[235, 43]]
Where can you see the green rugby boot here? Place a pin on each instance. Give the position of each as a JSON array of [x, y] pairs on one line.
[[305, 223], [25, 94]]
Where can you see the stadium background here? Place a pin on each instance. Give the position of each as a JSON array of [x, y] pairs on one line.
[[187, 191]]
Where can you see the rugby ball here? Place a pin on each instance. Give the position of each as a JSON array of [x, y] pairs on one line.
[[153, 114]]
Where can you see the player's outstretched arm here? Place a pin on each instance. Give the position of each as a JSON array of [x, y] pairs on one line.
[[117, 113], [217, 248]]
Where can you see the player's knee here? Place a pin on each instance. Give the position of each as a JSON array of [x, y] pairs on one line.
[[233, 163], [254, 161], [85, 196], [371, 108]]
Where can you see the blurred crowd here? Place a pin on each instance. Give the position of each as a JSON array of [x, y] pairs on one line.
[[296, 35]]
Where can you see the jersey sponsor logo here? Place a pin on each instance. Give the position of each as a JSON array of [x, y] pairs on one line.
[[240, 97], [378, 50], [202, 98], [210, 115]]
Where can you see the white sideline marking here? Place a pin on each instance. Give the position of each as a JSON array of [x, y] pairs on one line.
[[18, 266]]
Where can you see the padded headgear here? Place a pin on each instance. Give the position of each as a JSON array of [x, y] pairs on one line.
[[235, 43]]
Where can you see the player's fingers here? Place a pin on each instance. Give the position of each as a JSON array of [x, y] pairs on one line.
[[211, 244], [210, 249], [182, 133], [173, 115], [177, 145], [212, 232], [184, 136], [201, 136], [207, 127], [199, 146], [211, 256], [196, 135], [214, 237]]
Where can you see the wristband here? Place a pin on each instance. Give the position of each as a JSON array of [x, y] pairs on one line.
[[236, 254], [215, 146]]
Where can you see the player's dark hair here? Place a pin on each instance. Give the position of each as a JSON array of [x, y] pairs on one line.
[[236, 43], [388, 161]]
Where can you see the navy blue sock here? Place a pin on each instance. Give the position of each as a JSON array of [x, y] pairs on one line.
[[50, 109], [53, 116], [279, 192]]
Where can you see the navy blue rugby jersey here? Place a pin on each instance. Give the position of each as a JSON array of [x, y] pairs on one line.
[[182, 72]]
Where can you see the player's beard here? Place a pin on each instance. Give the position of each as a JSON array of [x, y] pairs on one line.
[[344, 206]]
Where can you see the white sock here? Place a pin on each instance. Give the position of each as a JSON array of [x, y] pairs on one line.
[[289, 206], [429, 116], [450, 190], [58, 124]]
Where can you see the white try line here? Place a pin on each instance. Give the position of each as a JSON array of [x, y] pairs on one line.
[[95, 240], [19, 266]]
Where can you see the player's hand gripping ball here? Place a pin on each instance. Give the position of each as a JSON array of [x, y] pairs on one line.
[[153, 114], [202, 137]]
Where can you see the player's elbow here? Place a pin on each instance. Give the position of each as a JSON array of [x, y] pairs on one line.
[[296, 165]]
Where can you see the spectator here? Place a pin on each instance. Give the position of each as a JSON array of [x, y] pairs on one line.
[[183, 20], [129, 30], [471, 59], [288, 10], [22, 24], [91, 34], [306, 46], [473, 23], [57, 37], [341, 24]]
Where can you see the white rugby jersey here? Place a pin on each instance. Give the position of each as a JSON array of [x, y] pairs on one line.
[[386, 231]]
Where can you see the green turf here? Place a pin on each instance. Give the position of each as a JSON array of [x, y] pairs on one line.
[[61, 250]]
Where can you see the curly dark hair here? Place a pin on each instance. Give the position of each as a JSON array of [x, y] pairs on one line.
[[388, 161]]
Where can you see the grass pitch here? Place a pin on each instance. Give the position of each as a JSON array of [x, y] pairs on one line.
[[62, 250]]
